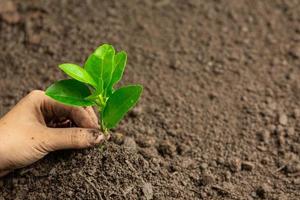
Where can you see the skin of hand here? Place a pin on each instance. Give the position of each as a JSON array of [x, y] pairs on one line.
[[25, 137]]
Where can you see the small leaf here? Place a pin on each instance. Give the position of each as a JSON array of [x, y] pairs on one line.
[[106, 53], [108, 66], [100, 86], [119, 103], [77, 73], [94, 67], [102, 50], [70, 92], [92, 97], [120, 63]]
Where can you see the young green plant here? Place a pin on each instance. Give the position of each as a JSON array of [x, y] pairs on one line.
[[94, 85]]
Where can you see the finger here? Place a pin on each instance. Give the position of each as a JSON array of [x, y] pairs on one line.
[[71, 138], [92, 114], [82, 117]]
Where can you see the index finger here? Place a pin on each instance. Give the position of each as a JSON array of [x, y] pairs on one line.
[[84, 117]]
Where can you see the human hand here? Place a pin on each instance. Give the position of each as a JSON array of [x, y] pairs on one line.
[[25, 137]]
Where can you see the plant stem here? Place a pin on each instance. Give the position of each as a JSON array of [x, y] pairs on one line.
[[100, 107]]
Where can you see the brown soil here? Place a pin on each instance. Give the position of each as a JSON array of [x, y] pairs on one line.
[[220, 113]]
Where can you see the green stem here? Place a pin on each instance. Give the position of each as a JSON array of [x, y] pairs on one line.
[[102, 101], [101, 105]]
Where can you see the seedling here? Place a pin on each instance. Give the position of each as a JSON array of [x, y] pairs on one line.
[[94, 85]]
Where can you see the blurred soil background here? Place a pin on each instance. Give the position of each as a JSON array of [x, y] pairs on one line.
[[220, 113]]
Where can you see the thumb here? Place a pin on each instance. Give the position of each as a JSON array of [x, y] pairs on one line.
[[72, 138]]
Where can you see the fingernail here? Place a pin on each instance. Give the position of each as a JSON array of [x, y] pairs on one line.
[[96, 136]]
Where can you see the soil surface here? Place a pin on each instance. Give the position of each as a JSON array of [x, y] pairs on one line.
[[220, 113]]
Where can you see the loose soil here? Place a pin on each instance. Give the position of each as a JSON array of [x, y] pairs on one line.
[[220, 113]]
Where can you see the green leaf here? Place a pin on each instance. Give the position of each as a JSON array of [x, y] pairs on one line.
[[119, 103], [106, 53], [70, 92], [120, 63], [92, 97], [77, 73], [94, 67], [102, 50], [108, 66], [100, 86]]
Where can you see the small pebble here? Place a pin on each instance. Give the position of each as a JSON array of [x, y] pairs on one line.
[[213, 163], [227, 176], [188, 163], [290, 131], [248, 166], [118, 138], [135, 112], [262, 148], [203, 166], [220, 161], [235, 164], [253, 194], [283, 119], [130, 144], [296, 113], [148, 191]]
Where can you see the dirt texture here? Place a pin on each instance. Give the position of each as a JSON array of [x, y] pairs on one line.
[[220, 113]]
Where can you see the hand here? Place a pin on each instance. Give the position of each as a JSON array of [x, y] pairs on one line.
[[25, 137]]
